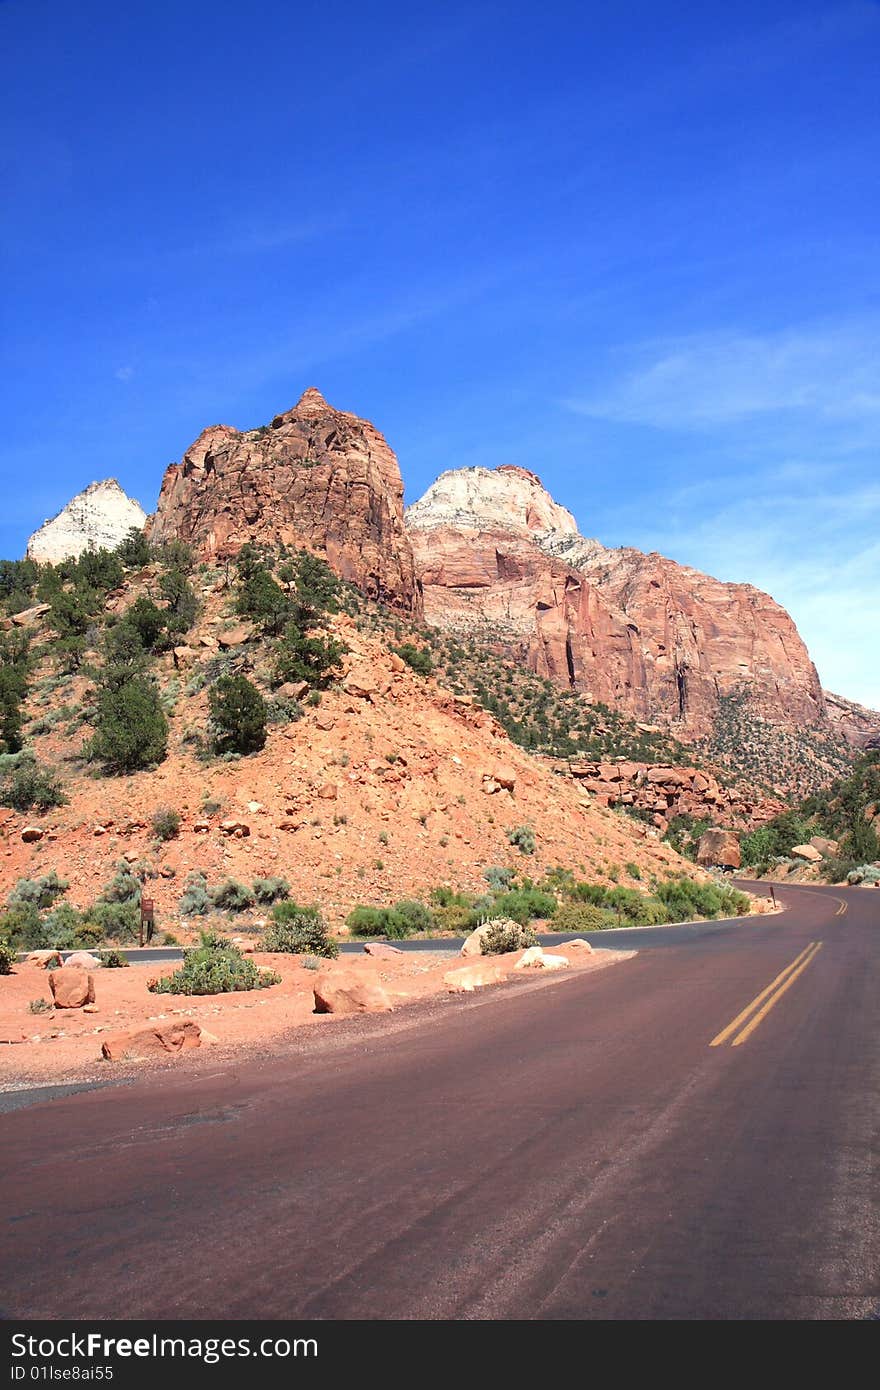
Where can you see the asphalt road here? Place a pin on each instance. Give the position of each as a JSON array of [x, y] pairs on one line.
[[556, 1149]]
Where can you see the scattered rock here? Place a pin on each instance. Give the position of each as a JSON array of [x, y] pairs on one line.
[[578, 945], [158, 1040], [473, 944], [827, 848], [29, 616], [293, 690], [71, 988], [466, 978], [341, 990], [233, 637], [328, 791], [501, 776], [807, 852], [381, 950], [719, 847], [535, 958], [234, 826], [43, 959], [82, 960], [31, 833]]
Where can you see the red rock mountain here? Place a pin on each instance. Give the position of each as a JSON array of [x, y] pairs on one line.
[[497, 557], [315, 477]]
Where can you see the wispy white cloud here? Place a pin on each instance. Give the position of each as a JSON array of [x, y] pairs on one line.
[[701, 381], [124, 373]]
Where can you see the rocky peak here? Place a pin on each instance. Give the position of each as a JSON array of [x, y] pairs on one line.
[[507, 498], [315, 478], [311, 402], [100, 516]]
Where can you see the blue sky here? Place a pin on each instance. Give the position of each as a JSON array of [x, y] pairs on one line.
[[633, 247]]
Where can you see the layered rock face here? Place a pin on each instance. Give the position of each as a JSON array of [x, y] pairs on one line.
[[100, 516], [315, 477], [858, 725], [497, 557]]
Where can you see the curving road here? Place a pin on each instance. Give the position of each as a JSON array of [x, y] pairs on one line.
[[565, 1148]]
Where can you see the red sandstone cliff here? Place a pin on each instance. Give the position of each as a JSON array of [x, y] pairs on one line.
[[659, 640], [316, 477]]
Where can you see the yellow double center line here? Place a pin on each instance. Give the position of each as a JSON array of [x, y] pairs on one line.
[[764, 1002]]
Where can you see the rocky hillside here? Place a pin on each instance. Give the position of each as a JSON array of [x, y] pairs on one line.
[[376, 784], [314, 477], [100, 516]]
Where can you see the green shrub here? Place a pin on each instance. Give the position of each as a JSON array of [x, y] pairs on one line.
[[124, 886], [369, 921], [444, 896], [271, 890], [131, 731], [523, 904], [7, 959], [288, 911], [230, 896], [417, 658], [583, 917], [134, 551], [215, 967], [260, 596], [522, 837], [864, 873], [115, 960], [39, 1006], [22, 928], [685, 899], [165, 823], [593, 893], [30, 787], [301, 656], [147, 621], [453, 918], [412, 916], [118, 921], [633, 907], [504, 936], [86, 932], [41, 892], [300, 934], [757, 847], [499, 880], [238, 715], [633, 870], [182, 606], [195, 901]]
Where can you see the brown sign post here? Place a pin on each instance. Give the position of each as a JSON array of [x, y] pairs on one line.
[[148, 920]]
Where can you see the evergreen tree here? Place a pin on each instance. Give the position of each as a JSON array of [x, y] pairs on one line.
[[238, 715]]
